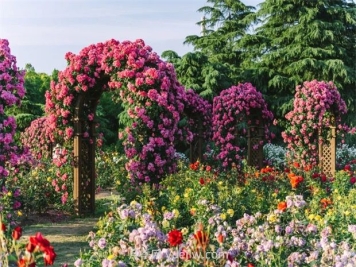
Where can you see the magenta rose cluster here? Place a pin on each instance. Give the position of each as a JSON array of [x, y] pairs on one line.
[[148, 90], [11, 92], [317, 106], [198, 112], [234, 111]]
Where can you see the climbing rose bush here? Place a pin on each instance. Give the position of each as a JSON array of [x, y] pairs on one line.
[[35, 138], [317, 106], [11, 157], [233, 112], [147, 87]]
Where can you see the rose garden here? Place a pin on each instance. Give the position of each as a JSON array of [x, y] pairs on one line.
[[198, 182]]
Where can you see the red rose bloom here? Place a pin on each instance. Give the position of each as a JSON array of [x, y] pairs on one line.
[[49, 256], [353, 180], [17, 233], [3, 227], [175, 238], [201, 181]]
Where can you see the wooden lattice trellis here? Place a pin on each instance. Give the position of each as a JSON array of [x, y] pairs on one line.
[[84, 153], [327, 151]]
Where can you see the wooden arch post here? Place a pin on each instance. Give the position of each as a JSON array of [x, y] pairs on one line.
[[84, 153], [196, 146], [327, 150]]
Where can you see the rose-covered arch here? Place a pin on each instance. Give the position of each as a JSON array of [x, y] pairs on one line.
[[234, 109], [150, 94]]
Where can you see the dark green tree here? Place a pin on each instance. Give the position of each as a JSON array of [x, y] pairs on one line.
[[32, 106], [195, 71], [223, 25], [302, 40]]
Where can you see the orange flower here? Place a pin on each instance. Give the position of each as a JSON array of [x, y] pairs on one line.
[[282, 206], [201, 237], [194, 166], [325, 202], [220, 238], [296, 164], [295, 180]]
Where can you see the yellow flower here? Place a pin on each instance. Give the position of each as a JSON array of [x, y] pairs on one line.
[[111, 257], [176, 213], [274, 194], [19, 213], [165, 223], [220, 183], [176, 198], [223, 216], [230, 212], [186, 195], [133, 203], [164, 208], [272, 218], [339, 198], [9, 194], [185, 231], [49, 179], [118, 182], [317, 217], [311, 217], [347, 213]]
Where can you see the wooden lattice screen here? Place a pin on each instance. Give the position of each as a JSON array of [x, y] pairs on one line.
[[327, 152]]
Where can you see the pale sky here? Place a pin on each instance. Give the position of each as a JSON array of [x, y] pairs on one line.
[[41, 32]]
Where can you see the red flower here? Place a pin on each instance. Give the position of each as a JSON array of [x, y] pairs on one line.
[[30, 247], [208, 168], [353, 180], [347, 167], [17, 233], [175, 238], [39, 241], [250, 264], [201, 181], [25, 263], [49, 256], [3, 227]]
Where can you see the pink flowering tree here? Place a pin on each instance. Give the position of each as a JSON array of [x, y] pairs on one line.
[[233, 113], [11, 157], [146, 86], [317, 105]]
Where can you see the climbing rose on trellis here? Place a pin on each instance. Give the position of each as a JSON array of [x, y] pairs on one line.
[[148, 90], [198, 112], [11, 92], [35, 138], [315, 103], [232, 115]]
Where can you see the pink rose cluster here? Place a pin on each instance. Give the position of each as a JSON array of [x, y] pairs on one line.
[[11, 92], [148, 89], [198, 112], [35, 138], [233, 113], [317, 105]]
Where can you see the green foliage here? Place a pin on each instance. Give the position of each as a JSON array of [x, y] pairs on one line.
[[302, 41]]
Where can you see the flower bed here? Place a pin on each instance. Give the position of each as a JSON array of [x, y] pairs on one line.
[[263, 218]]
